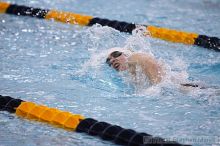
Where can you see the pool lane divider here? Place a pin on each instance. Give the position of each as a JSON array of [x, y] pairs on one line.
[[79, 123], [73, 18]]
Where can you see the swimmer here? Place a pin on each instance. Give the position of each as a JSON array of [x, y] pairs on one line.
[[149, 65], [151, 68]]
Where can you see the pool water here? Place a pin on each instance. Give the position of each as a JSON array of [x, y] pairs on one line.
[[63, 66]]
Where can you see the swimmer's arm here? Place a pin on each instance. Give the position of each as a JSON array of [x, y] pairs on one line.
[[149, 65]]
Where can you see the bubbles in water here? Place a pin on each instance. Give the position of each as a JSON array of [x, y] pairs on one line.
[[27, 30]]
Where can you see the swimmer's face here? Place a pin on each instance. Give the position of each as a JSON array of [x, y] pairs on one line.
[[117, 60]]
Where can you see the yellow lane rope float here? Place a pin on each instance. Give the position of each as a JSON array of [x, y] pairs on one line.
[[73, 18], [78, 123], [51, 115]]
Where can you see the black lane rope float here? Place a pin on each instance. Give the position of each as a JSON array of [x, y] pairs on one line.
[[79, 123], [73, 18]]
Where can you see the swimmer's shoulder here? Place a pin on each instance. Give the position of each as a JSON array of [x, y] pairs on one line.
[[134, 58], [137, 57]]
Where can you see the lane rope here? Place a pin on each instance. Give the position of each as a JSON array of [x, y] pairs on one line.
[[79, 123], [84, 20]]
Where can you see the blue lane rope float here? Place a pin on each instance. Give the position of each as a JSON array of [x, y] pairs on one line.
[[79, 123], [73, 18]]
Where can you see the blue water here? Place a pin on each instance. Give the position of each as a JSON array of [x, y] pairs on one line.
[[57, 65]]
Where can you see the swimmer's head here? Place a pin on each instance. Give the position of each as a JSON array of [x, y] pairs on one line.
[[117, 60]]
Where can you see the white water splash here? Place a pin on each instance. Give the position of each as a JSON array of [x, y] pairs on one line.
[[176, 70]]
